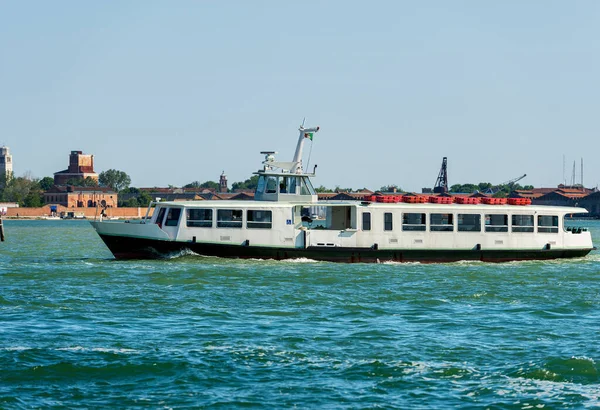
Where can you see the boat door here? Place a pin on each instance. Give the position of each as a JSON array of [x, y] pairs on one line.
[[171, 222]]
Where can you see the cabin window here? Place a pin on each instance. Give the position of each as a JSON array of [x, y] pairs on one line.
[[441, 222], [366, 221], [469, 223], [288, 185], [160, 216], [271, 187], [199, 218], [173, 217], [387, 221], [496, 223], [229, 218], [259, 219], [306, 187], [260, 186], [548, 223], [522, 223], [413, 222]]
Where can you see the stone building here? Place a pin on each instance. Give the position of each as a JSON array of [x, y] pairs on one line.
[[223, 183], [81, 166], [6, 164], [81, 197]]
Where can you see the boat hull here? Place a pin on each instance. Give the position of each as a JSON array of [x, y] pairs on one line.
[[123, 247]]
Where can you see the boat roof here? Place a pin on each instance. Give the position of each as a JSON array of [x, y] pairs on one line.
[[525, 209]]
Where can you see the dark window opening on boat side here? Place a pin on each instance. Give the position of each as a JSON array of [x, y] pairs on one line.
[[413, 222], [366, 221], [548, 223], [173, 217], [160, 217], [522, 223], [200, 218], [469, 223], [496, 223], [441, 222], [229, 218], [387, 221], [259, 219]]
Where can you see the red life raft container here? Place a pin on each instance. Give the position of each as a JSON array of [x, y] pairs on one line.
[[493, 201], [441, 199], [417, 199], [519, 201], [466, 200]]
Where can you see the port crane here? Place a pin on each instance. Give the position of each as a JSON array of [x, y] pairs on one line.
[[493, 190], [441, 184]]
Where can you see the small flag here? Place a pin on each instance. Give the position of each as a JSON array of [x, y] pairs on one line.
[[309, 135]]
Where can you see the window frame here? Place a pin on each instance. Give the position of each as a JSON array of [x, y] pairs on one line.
[[459, 225], [199, 223], [388, 221], [170, 221], [489, 227], [554, 228], [519, 227], [365, 221], [441, 227], [252, 224], [411, 227], [230, 223]]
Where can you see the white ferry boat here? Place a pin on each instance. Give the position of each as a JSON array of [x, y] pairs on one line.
[[277, 225]]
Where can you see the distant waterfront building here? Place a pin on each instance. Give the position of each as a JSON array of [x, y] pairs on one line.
[[81, 197], [6, 164], [223, 183], [81, 166]]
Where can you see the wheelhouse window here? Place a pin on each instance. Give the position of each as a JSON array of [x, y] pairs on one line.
[[306, 187], [387, 221], [548, 223], [200, 218], [366, 221], [441, 222], [160, 216], [413, 222], [259, 219], [522, 223], [173, 217], [469, 223], [288, 185], [271, 186], [229, 218], [496, 223]]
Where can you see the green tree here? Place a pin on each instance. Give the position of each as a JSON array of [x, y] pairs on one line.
[[323, 190], [89, 181], [132, 203], [482, 186], [46, 183], [115, 179], [250, 183], [206, 184], [144, 199], [23, 190]]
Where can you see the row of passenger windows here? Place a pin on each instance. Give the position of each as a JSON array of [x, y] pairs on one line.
[[226, 218], [465, 222]]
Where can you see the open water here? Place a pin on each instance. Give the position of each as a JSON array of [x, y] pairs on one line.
[[81, 330]]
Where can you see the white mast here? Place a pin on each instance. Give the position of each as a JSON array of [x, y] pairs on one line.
[[298, 154]]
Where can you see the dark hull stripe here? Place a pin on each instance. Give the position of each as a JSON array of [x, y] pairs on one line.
[[139, 248]]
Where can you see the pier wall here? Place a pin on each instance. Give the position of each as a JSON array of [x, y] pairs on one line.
[[89, 213]]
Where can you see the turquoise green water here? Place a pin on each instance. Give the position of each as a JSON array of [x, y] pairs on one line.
[[81, 330]]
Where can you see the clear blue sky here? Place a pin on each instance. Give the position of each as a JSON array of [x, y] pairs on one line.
[[177, 91]]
